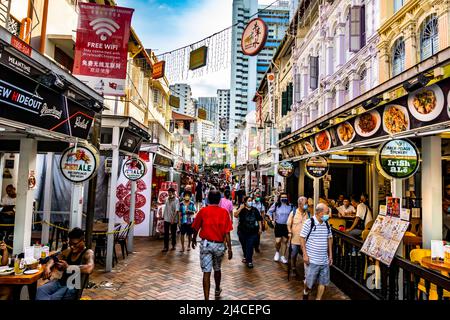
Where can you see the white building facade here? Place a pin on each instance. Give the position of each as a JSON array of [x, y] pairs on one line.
[[330, 65], [223, 108], [184, 92]]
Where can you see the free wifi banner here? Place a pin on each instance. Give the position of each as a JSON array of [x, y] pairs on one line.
[[101, 47]]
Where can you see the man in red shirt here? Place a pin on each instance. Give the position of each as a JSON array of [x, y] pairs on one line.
[[214, 224]]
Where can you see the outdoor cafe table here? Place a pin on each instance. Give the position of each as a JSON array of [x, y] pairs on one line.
[[443, 267], [19, 281]]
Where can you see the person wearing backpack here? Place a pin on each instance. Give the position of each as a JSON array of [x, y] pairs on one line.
[[317, 241], [295, 224], [249, 228], [363, 217]]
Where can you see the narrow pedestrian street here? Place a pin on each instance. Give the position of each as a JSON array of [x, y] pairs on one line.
[[149, 274]]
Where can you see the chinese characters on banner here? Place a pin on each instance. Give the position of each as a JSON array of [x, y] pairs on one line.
[[101, 47]]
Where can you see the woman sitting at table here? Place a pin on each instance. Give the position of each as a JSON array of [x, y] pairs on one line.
[[77, 254]]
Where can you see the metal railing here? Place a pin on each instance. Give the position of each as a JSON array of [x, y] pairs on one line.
[[6, 20], [402, 280]]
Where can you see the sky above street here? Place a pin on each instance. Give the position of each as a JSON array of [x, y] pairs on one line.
[[164, 25]]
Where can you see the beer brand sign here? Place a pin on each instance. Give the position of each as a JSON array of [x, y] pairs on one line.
[[254, 37], [134, 169], [398, 159], [79, 163]]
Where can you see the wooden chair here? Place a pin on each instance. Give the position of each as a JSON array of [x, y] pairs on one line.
[[122, 240], [416, 256], [116, 237], [336, 222]]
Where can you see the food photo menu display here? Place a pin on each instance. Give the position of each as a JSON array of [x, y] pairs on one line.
[[385, 236], [424, 107]]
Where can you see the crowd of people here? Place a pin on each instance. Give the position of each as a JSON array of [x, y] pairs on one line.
[[302, 233]]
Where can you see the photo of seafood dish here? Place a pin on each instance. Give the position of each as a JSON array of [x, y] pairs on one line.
[[395, 119], [323, 140], [368, 123], [308, 147], [346, 133], [427, 103]]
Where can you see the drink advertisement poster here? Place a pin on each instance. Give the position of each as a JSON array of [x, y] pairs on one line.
[[393, 207], [142, 203], [101, 47], [385, 236]]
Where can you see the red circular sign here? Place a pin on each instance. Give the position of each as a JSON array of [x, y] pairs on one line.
[[254, 37]]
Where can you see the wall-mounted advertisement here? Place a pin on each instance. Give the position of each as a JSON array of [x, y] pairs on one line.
[[316, 167], [102, 46], [398, 159]]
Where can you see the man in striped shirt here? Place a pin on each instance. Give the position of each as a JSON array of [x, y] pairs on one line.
[[316, 242]]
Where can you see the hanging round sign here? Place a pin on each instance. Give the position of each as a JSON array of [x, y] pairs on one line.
[[285, 169], [398, 159], [254, 37], [79, 163], [134, 169], [316, 167]]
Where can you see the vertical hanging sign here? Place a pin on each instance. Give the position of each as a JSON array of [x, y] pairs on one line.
[[102, 46], [271, 89]]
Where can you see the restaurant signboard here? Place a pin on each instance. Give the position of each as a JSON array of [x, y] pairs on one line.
[[425, 107], [398, 159], [316, 167], [79, 163], [285, 169], [159, 69], [134, 169], [101, 48], [22, 100], [254, 37], [198, 58]]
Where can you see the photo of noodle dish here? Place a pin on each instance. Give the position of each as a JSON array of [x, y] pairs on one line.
[[368, 123], [395, 119], [346, 133], [426, 104]]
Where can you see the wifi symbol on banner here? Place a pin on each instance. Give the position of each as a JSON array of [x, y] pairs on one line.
[[104, 27]]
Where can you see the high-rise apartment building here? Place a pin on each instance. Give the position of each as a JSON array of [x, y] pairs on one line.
[[247, 71], [223, 107], [209, 104], [184, 92]]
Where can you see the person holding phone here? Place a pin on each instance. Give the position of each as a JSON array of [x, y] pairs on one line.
[[187, 213]]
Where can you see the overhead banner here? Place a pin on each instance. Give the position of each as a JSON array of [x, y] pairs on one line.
[[102, 47], [198, 58]]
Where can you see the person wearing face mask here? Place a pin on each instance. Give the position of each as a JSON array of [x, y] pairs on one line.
[[187, 212], [249, 228], [363, 217], [170, 219], [295, 224], [316, 243], [259, 205], [279, 214]]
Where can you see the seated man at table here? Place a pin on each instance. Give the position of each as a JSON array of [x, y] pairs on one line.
[[77, 254], [5, 290], [346, 210]]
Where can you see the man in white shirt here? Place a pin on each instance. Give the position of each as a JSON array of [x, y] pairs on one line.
[[363, 217], [346, 210], [10, 198]]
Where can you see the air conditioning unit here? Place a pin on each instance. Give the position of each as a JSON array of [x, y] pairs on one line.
[[108, 165]]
